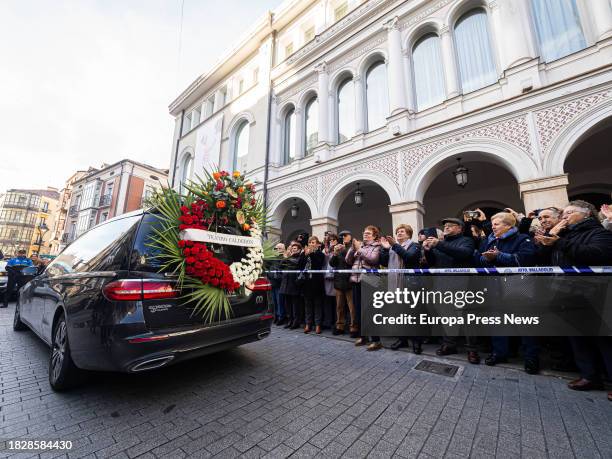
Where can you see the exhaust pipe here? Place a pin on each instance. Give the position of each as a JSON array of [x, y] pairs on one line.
[[262, 335], [152, 364]]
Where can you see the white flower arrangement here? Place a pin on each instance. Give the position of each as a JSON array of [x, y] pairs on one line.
[[249, 269]]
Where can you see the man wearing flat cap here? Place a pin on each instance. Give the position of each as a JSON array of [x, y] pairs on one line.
[[454, 251]]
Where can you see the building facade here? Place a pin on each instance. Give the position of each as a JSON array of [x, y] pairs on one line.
[[62, 213], [387, 98], [26, 217], [100, 194]]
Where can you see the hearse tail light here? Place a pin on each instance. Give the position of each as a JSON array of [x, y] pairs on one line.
[[139, 289], [262, 285]]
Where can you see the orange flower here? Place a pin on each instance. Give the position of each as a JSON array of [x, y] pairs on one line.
[[240, 189], [236, 174], [216, 175], [220, 204], [246, 227]]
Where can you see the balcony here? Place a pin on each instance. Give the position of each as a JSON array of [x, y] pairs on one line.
[[106, 200], [20, 205], [20, 223], [73, 211]]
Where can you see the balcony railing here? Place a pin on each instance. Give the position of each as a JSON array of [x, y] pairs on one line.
[[105, 200], [20, 205], [8, 221], [73, 211]]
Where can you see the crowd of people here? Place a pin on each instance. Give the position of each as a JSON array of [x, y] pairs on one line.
[[577, 235]]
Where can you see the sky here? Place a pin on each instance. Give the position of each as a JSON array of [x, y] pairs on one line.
[[87, 82]]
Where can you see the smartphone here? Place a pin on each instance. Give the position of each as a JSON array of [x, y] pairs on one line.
[[430, 232]]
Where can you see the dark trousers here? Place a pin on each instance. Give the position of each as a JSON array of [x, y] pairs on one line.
[[313, 305], [279, 303], [357, 302], [587, 350], [471, 342], [329, 311], [295, 309], [531, 350], [11, 286]]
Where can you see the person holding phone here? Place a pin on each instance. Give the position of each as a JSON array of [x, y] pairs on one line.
[[313, 288], [455, 251]]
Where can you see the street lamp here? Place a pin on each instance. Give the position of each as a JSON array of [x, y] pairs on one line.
[[358, 197], [42, 230], [461, 174], [294, 209]]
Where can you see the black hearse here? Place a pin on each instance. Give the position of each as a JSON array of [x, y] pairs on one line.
[[104, 305]]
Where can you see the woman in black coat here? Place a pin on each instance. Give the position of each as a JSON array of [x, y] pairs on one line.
[[313, 286]]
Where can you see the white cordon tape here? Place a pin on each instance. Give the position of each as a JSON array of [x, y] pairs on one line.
[[521, 270], [198, 235]]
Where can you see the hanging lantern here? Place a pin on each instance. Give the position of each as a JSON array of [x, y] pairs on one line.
[[294, 209], [461, 174], [358, 197]]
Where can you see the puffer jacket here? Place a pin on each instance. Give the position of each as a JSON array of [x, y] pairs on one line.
[[368, 257], [586, 243], [515, 249]]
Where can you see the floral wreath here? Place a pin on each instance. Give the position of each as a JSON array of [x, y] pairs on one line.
[[220, 203]]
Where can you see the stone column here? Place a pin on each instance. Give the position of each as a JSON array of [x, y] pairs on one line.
[[544, 192], [513, 35], [410, 213], [323, 100], [451, 75], [322, 224], [409, 85], [299, 134], [275, 133], [601, 13], [396, 77], [360, 106]]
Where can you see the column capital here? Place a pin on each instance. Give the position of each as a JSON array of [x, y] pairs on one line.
[[357, 78], [493, 4], [444, 29], [407, 206], [391, 24], [545, 183], [323, 221], [321, 67]]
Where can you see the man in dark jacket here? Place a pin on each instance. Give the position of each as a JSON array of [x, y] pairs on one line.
[[507, 247], [580, 240], [454, 251]]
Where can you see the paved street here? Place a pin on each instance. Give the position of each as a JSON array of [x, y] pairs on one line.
[[301, 396]]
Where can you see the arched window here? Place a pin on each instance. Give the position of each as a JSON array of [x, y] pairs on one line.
[[186, 171], [474, 53], [241, 143], [311, 120], [289, 136], [558, 28], [346, 111], [428, 72], [377, 95]]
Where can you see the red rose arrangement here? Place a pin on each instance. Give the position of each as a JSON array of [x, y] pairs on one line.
[[202, 264]]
